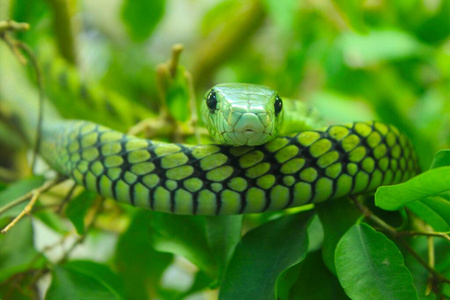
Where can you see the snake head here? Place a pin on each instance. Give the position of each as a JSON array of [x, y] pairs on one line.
[[242, 114]]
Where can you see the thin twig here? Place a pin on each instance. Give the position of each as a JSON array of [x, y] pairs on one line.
[[46, 186], [16, 46], [395, 234], [443, 235], [10, 25], [97, 209], [24, 212]]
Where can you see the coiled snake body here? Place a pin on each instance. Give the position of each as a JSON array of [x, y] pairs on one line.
[[285, 171]]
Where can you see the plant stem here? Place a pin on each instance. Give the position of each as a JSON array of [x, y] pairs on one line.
[[46, 186], [397, 235]]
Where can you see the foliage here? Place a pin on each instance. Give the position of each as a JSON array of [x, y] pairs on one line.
[[352, 59]]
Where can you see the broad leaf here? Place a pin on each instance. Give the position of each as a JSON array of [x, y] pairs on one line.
[[184, 236], [263, 254], [433, 210], [17, 252], [223, 234], [141, 17], [71, 284], [364, 50], [78, 207], [139, 264], [370, 266], [337, 216], [309, 279], [441, 159], [429, 183]]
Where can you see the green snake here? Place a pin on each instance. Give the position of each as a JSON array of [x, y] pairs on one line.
[[269, 172]]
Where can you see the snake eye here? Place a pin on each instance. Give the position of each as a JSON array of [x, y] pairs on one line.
[[278, 106], [211, 100]]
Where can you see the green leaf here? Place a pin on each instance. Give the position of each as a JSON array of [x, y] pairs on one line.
[[99, 271], [434, 211], [309, 279], [441, 159], [429, 183], [184, 236], [141, 17], [68, 284], [177, 96], [370, 266], [17, 252], [263, 254], [17, 190], [139, 264], [223, 234], [379, 46], [352, 13], [78, 207], [52, 220], [337, 216]]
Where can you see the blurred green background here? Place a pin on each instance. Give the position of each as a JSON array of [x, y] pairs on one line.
[[354, 60]]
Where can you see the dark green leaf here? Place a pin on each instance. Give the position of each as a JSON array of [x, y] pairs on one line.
[[223, 234], [429, 183], [17, 252], [52, 220], [141, 17], [263, 254], [184, 236], [352, 12], [433, 210], [309, 279], [177, 96], [370, 266], [441, 159], [99, 271], [70, 284], [337, 216], [78, 207], [140, 265]]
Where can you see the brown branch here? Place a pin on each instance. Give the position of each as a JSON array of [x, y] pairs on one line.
[[397, 236], [48, 185]]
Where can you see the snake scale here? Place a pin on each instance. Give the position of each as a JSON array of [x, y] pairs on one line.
[[310, 166]]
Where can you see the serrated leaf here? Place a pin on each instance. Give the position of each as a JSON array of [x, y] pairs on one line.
[[370, 266], [78, 207], [139, 264], [352, 13], [72, 284], [429, 183], [141, 17], [336, 216], [263, 254], [309, 279], [441, 159]]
